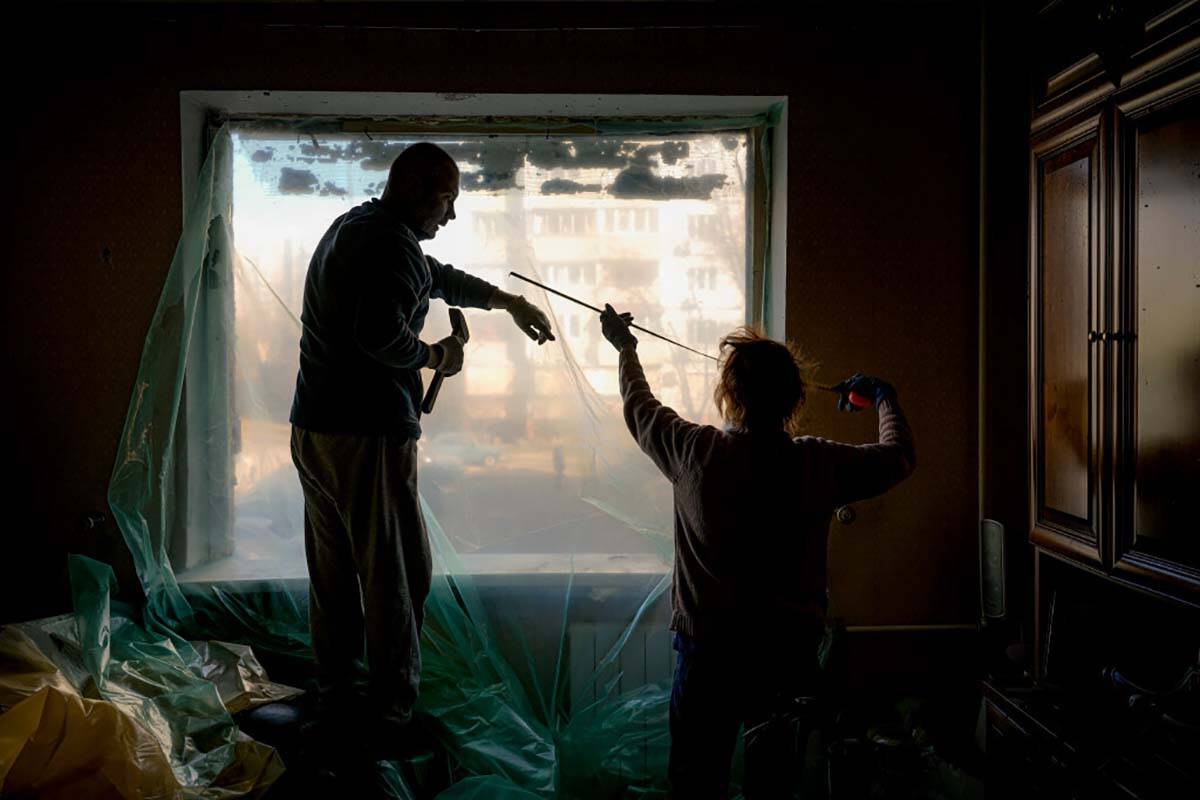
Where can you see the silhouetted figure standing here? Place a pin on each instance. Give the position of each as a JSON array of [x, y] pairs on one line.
[[753, 507], [355, 424]]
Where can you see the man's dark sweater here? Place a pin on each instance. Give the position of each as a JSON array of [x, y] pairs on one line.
[[365, 301], [752, 511]]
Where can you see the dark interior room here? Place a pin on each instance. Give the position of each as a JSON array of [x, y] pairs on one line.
[[850, 458]]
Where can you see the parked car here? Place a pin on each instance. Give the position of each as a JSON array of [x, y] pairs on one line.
[[462, 449]]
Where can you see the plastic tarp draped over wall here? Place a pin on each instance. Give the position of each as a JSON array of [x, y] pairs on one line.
[[530, 482]]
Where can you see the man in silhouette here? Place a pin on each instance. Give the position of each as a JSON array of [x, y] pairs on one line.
[[355, 423]]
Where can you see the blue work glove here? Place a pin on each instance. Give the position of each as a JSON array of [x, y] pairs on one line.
[[616, 328], [872, 389]]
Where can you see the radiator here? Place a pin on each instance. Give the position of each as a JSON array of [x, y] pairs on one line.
[[647, 657]]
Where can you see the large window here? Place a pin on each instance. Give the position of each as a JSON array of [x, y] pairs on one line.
[[524, 463]]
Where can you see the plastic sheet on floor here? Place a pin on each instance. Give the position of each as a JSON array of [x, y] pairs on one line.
[[95, 706]]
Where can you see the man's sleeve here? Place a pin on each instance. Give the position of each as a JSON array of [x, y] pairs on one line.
[[659, 431], [388, 295], [868, 470], [457, 287]]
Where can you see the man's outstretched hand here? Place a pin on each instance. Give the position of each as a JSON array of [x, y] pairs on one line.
[[530, 319], [873, 389], [616, 328]]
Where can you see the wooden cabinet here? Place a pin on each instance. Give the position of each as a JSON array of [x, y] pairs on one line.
[[1081, 50], [1066, 290], [1115, 319], [1155, 352]]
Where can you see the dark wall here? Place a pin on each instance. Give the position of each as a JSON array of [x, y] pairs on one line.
[[1004, 468], [882, 220], [882, 279]]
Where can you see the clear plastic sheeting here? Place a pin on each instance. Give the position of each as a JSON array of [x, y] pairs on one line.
[[545, 652], [241, 681], [94, 706]]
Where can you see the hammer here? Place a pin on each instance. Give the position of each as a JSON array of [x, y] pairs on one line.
[[458, 329]]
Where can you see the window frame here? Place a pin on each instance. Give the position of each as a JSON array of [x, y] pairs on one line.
[[204, 113]]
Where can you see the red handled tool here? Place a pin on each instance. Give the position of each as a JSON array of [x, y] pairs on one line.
[[856, 399]]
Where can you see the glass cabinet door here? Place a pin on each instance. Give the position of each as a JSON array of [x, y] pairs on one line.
[[1158, 347], [1066, 285]]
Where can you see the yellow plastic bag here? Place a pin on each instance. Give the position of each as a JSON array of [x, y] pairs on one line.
[[55, 743]]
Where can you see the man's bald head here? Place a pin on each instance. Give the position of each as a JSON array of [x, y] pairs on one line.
[[416, 168], [422, 186]]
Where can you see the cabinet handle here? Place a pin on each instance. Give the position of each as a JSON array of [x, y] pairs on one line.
[[1093, 336], [1108, 336]]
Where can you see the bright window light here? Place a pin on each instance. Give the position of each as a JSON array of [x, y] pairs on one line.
[[510, 465]]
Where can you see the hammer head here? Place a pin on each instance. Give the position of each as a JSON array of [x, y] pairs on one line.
[[458, 324]]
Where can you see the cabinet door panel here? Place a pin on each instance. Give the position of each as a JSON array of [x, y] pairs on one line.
[[1066, 242], [1159, 476], [1066, 268]]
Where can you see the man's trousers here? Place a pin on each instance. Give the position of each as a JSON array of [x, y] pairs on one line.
[[370, 570]]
